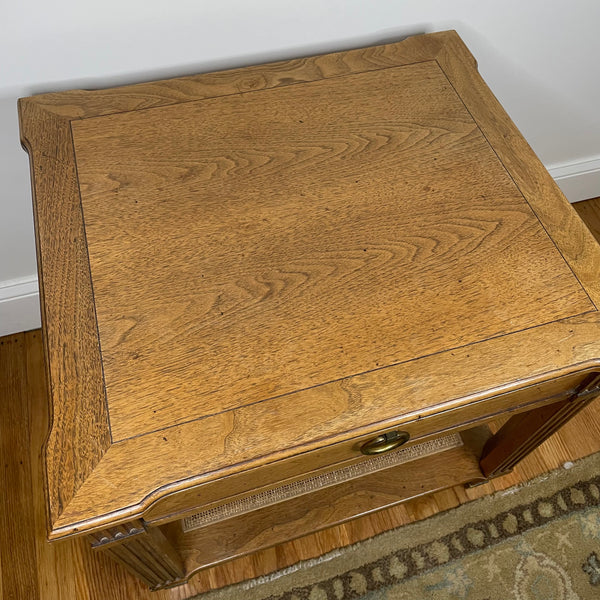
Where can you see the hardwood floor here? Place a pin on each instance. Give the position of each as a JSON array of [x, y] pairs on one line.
[[31, 568]]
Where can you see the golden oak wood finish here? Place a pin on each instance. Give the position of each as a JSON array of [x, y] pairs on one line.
[[32, 568], [214, 493], [309, 258], [256, 271], [589, 211], [68, 315]]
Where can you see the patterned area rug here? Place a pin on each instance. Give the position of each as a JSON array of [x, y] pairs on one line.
[[540, 541]]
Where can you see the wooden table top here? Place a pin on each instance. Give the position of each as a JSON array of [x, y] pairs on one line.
[[243, 266]]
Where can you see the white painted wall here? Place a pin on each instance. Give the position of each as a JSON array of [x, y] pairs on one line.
[[539, 56]]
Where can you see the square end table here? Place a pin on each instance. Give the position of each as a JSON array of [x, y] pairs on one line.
[[279, 297]]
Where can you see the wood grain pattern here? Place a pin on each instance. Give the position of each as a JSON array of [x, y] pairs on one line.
[[80, 429], [589, 212], [264, 229], [17, 549], [392, 227], [558, 217], [210, 494], [67, 570]]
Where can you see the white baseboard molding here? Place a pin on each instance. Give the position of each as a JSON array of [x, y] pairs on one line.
[[578, 180], [19, 305], [19, 298]]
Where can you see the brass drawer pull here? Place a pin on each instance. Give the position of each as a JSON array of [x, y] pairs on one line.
[[385, 442]]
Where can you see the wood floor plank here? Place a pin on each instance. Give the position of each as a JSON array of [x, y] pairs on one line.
[[17, 551]]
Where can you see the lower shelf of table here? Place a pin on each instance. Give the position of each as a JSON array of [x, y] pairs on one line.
[[247, 532]]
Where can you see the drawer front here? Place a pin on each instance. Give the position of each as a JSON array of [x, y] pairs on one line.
[[332, 457]]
